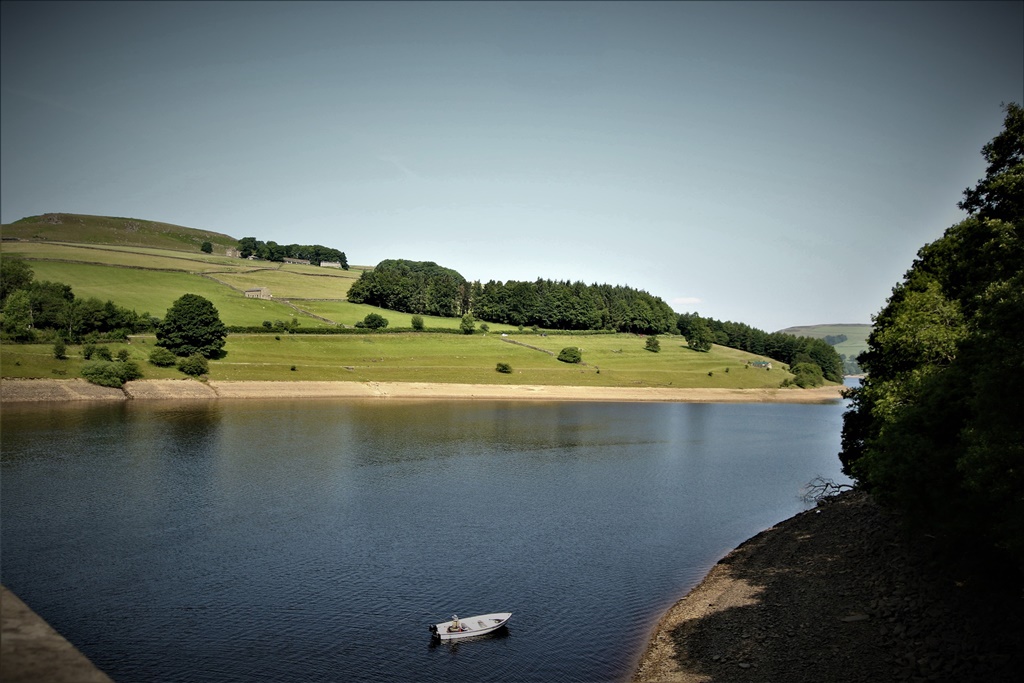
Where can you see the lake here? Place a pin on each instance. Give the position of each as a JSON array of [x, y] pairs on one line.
[[315, 540]]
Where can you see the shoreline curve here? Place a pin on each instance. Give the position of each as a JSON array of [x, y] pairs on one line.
[[63, 390]]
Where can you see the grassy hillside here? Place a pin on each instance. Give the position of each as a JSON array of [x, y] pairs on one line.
[[608, 360], [856, 333], [104, 258], [70, 227]]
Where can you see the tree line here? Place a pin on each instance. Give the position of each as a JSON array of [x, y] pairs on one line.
[[429, 289], [272, 251], [50, 309], [781, 346], [937, 427]]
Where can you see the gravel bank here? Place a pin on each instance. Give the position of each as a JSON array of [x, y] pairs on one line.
[[16, 390], [838, 593]]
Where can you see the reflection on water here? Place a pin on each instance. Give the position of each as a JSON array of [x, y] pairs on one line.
[[315, 540]]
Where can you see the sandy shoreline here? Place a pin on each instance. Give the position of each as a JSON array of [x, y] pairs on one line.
[[39, 390]]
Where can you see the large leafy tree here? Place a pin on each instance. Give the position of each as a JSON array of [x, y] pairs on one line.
[[937, 427], [192, 326]]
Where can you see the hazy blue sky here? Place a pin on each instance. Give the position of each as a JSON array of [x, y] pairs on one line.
[[770, 163]]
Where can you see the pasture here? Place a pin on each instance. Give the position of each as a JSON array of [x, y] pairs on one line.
[[618, 360]]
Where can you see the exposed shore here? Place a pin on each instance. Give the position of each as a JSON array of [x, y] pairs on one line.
[[37, 390], [839, 594]]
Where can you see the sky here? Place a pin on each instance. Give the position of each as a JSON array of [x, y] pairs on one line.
[[771, 163]]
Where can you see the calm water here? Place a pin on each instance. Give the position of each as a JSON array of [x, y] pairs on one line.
[[315, 540]]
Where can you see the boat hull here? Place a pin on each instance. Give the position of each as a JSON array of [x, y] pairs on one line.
[[470, 626]]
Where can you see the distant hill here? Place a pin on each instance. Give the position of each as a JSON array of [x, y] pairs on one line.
[[856, 337], [134, 232]]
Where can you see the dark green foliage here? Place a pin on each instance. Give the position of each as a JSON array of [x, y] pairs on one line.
[[417, 323], [272, 251], [192, 326], [504, 368], [111, 373], [207, 248], [17, 318], [194, 365], [373, 321], [937, 427], [60, 349], [468, 324], [779, 346], [162, 358], [103, 353], [421, 287], [123, 355], [572, 306], [807, 375], [570, 354], [652, 344], [15, 274], [835, 339]]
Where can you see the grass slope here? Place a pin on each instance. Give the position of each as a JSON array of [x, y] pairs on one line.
[[69, 227], [608, 360], [856, 333], [146, 266]]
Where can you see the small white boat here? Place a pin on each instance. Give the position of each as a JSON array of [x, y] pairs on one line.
[[471, 626]]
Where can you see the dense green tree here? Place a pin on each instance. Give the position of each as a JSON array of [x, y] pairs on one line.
[[417, 323], [652, 344], [937, 427], [207, 248], [192, 326], [698, 334], [468, 324], [17, 318], [15, 274]]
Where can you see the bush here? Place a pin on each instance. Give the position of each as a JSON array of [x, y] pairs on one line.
[[504, 368], [60, 349], [808, 375], [653, 344], [194, 366], [162, 358], [373, 321], [417, 323], [570, 354], [467, 324], [110, 374], [103, 352], [123, 355]]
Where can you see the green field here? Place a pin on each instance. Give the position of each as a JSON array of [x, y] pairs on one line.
[[618, 360], [148, 277]]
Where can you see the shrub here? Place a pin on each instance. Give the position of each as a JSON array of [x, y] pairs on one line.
[[373, 321], [109, 373], [417, 323], [570, 354], [807, 375], [123, 355], [87, 350], [504, 368], [103, 352], [162, 358], [467, 324], [653, 344], [60, 349], [195, 365]]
